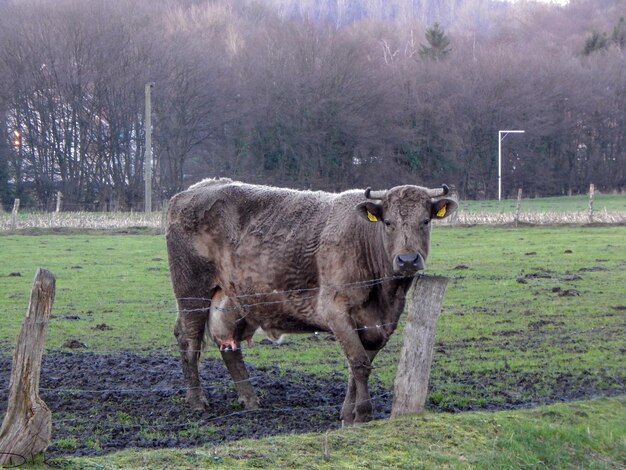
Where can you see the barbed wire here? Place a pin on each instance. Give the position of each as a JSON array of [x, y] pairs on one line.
[[298, 409], [241, 307], [364, 283], [167, 302], [77, 391]]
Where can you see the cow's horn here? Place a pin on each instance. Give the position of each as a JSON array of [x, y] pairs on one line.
[[369, 194], [438, 192]]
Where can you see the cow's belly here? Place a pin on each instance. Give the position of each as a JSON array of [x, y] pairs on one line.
[[278, 312], [271, 282]]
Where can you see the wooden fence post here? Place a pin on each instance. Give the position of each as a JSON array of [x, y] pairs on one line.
[[411, 385], [591, 191], [16, 208], [27, 425], [518, 206]]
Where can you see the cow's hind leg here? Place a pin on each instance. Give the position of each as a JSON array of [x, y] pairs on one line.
[[192, 281], [189, 332], [239, 373]]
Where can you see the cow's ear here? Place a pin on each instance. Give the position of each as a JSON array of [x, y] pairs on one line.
[[442, 208], [370, 211]]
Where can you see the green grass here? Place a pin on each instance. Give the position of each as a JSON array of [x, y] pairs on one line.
[[120, 281], [490, 322], [587, 434], [579, 203], [505, 335]]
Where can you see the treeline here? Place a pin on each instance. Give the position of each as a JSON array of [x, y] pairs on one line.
[[274, 93]]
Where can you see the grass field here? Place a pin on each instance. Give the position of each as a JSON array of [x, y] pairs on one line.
[[576, 435], [531, 315], [563, 204]]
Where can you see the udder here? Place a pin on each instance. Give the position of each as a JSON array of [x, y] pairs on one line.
[[228, 325]]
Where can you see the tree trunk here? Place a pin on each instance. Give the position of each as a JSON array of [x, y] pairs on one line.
[[411, 384], [27, 425]]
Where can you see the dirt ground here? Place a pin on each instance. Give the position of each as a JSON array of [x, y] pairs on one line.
[[103, 403]]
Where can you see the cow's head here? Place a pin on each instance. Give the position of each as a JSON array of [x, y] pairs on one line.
[[405, 214]]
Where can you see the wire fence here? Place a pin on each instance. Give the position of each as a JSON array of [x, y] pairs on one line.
[[139, 308], [243, 303]]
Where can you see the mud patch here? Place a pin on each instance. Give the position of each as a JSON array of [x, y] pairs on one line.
[[103, 403]]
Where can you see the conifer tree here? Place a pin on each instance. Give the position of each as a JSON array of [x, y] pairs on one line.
[[438, 46], [596, 42], [619, 33]]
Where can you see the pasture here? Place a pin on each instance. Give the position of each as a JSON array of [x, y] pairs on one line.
[[562, 204], [532, 315]]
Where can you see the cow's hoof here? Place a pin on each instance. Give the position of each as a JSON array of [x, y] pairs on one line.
[[362, 418], [251, 403], [197, 402], [199, 406], [347, 419]]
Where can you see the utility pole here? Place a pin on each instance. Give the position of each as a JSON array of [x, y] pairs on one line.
[[147, 164], [500, 139]]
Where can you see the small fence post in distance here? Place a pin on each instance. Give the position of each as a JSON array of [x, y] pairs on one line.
[[16, 208], [59, 201], [518, 206], [27, 425], [591, 191], [411, 385], [164, 209]]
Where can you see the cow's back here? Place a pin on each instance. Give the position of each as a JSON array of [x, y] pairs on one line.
[[258, 238]]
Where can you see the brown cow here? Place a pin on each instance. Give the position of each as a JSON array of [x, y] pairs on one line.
[[244, 257]]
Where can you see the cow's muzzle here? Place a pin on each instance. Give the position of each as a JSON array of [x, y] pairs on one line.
[[408, 263]]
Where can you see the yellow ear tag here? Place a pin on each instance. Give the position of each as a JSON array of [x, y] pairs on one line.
[[371, 217], [441, 212]]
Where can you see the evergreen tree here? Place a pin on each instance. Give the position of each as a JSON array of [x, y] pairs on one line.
[[619, 33], [596, 42], [438, 46]]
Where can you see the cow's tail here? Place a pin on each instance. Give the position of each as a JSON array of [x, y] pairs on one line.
[[206, 337]]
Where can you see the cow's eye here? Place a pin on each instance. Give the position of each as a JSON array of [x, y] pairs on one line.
[[387, 222], [426, 221]]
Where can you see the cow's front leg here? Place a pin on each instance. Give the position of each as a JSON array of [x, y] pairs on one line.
[[348, 410], [189, 332], [343, 328], [235, 365]]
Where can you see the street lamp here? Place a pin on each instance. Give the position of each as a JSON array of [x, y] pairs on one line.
[[501, 135]]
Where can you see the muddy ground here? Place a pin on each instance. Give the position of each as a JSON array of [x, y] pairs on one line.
[[103, 403]]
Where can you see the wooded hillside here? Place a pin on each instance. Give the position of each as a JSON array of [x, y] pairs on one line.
[[322, 95]]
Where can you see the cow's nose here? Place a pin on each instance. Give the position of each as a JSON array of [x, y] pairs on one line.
[[408, 263]]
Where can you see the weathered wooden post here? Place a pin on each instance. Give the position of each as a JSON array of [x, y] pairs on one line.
[[16, 208], [411, 385], [591, 191], [27, 425], [518, 206]]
